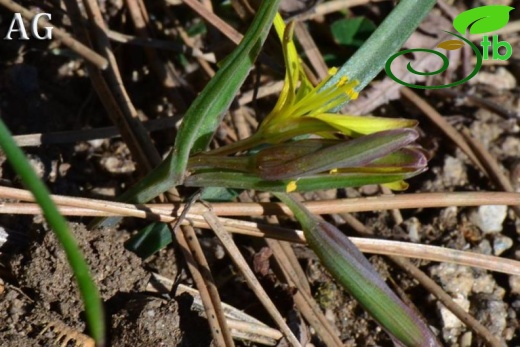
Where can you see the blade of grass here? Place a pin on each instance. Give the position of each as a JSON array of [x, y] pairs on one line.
[[87, 287]]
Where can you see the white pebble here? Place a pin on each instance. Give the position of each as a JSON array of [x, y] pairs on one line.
[[489, 218]]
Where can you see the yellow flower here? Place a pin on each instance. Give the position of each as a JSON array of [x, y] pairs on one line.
[[302, 108]]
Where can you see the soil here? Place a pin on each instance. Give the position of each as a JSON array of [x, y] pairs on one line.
[[45, 88]]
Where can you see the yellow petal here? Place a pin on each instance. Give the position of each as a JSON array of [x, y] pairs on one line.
[[356, 125], [398, 185]]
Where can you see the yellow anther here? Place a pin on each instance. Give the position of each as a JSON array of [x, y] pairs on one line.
[[291, 187], [342, 81]]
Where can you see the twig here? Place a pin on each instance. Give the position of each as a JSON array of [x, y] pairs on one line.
[[375, 246], [160, 44], [165, 212], [479, 101], [119, 109], [204, 281], [311, 50], [249, 276], [214, 20], [243, 325], [325, 8], [61, 34], [61, 137], [164, 71], [295, 276], [447, 301], [493, 170]]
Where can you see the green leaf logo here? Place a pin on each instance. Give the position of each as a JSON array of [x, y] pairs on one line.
[[482, 19]]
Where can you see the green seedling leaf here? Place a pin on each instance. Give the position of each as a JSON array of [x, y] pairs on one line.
[[355, 273], [352, 153], [451, 45], [352, 31], [482, 19], [149, 240]]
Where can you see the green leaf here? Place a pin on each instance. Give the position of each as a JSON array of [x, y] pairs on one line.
[[204, 115], [482, 19], [218, 194], [149, 240], [352, 31], [87, 287]]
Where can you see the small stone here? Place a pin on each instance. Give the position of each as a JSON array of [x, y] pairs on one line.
[[449, 319], [455, 279], [500, 79], [484, 247], [413, 226], [489, 218], [514, 283], [501, 243], [454, 172], [484, 284], [466, 339]]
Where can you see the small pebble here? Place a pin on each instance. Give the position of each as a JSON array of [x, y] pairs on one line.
[[454, 172], [501, 243], [514, 283], [484, 247], [450, 320], [489, 218], [413, 226]]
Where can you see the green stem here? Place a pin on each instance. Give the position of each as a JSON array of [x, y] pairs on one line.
[[87, 287]]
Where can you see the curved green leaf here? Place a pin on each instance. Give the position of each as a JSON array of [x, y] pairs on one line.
[[87, 288], [482, 19]]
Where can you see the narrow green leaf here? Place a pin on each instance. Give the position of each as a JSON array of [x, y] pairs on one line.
[[202, 118], [150, 239], [206, 112], [87, 287]]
